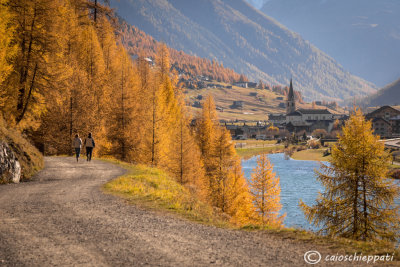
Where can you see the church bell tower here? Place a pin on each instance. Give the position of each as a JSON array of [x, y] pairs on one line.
[[290, 102]]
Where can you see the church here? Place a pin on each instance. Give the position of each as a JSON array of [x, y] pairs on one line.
[[306, 119]]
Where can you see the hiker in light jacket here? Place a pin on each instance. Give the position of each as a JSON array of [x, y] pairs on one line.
[[89, 144], [77, 144]]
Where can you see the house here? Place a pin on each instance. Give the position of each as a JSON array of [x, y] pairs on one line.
[[385, 112], [277, 119], [382, 127], [251, 85], [282, 105], [241, 84], [197, 104], [395, 123], [246, 131], [385, 121], [237, 104]]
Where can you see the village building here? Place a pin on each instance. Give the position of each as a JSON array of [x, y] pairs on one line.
[[247, 131], [395, 122], [241, 84], [309, 120], [382, 127], [385, 121], [238, 104], [297, 120], [291, 101], [277, 119]]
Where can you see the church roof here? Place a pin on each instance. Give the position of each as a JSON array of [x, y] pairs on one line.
[[314, 111], [294, 113]]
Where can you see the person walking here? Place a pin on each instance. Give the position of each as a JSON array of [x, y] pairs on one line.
[[77, 144], [89, 144]]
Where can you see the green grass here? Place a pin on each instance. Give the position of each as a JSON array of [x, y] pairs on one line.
[[154, 189], [311, 154]]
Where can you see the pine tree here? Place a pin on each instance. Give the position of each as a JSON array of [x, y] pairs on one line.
[[7, 49], [185, 162], [120, 117], [224, 180], [32, 66], [265, 188], [358, 198]]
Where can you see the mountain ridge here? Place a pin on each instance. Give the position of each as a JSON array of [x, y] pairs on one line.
[[246, 40], [362, 35], [388, 95]]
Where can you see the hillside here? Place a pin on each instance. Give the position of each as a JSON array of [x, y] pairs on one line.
[[138, 42], [362, 35], [15, 146], [242, 38], [255, 107], [257, 103], [388, 95]]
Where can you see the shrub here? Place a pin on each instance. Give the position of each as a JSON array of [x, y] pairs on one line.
[[313, 144]]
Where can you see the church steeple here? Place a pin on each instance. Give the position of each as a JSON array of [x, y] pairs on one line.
[[290, 102]]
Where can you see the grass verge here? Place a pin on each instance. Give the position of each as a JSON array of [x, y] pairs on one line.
[[246, 153], [337, 244], [311, 154], [154, 189]]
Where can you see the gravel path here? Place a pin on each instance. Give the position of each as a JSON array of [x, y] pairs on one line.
[[62, 218]]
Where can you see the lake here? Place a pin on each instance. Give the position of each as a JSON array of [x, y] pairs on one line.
[[298, 181]]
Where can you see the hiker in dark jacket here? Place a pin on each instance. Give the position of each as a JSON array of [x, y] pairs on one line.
[[89, 144], [77, 144]]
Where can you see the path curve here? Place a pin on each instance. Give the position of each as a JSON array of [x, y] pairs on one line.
[[62, 218]]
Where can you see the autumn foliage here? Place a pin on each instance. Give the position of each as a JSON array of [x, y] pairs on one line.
[[64, 71], [139, 43], [358, 201], [265, 188]]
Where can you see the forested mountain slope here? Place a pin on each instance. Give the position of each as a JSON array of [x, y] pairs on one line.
[[138, 43], [242, 38]]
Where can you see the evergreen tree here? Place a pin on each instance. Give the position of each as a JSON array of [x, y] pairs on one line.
[[358, 198], [225, 183], [265, 188], [36, 44], [7, 50]]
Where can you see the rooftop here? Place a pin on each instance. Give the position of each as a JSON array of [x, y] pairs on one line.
[[314, 111]]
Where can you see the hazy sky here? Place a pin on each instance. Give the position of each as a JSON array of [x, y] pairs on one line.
[[257, 3]]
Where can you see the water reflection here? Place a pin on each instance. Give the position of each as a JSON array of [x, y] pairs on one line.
[[298, 181]]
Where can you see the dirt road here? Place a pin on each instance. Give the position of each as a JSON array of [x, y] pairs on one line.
[[62, 218]]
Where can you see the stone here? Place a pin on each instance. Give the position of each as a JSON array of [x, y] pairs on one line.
[[10, 168]]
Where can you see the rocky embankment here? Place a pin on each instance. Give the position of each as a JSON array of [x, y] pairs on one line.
[[10, 168], [19, 159]]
